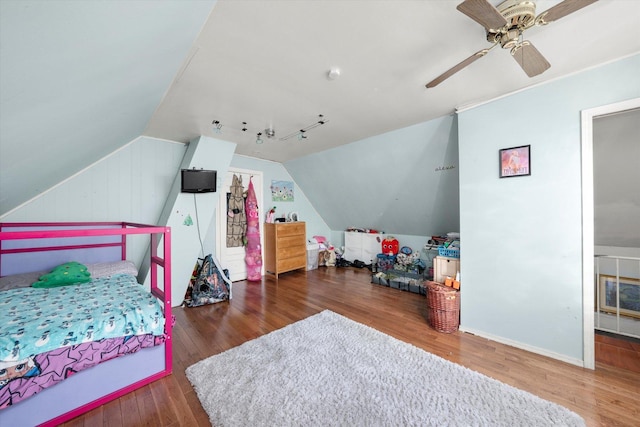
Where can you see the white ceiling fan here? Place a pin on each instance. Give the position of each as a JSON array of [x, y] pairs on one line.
[[505, 25]]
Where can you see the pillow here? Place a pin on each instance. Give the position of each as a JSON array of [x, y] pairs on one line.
[[22, 280], [105, 269], [65, 274]]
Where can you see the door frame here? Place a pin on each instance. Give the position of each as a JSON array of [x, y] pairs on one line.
[[221, 217], [588, 218]]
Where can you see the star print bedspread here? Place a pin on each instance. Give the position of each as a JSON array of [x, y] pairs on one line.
[[21, 380], [34, 321]]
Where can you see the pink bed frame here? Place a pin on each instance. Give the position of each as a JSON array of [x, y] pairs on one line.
[[105, 382]]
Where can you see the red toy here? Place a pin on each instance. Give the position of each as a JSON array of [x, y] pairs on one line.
[[390, 246]]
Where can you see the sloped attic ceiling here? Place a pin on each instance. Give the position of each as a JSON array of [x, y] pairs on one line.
[[266, 63], [78, 79]]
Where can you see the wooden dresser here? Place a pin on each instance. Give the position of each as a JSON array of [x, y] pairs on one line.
[[285, 247]]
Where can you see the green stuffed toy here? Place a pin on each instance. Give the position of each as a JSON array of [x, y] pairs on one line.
[[65, 274]]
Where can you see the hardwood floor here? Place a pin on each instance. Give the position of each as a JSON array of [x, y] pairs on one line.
[[618, 350], [608, 396]]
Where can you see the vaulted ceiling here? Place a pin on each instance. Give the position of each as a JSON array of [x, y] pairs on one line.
[[80, 79]]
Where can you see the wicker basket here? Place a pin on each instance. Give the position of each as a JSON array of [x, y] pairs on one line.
[[444, 307]]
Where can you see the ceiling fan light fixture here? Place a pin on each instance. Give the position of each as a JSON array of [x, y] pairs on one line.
[[518, 13], [505, 24]]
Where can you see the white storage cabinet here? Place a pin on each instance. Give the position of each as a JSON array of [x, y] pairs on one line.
[[362, 246], [443, 267]]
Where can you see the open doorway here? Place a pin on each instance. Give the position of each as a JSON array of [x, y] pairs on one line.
[[231, 255], [588, 221]]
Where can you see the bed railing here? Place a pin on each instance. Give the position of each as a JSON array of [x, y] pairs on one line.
[[617, 295], [44, 237], [44, 245]]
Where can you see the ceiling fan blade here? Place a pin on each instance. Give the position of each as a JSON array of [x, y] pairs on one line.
[[450, 72], [483, 13], [563, 9], [530, 59]]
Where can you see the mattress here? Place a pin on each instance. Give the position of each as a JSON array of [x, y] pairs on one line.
[[34, 321], [46, 335]]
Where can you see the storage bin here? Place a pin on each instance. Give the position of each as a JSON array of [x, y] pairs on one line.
[[444, 307], [449, 252], [416, 287], [445, 267], [313, 249], [405, 281], [385, 262], [379, 279]]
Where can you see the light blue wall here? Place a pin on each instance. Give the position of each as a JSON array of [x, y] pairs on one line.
[[522, 237], [79, 79], [130, 184], [403, 182], [191, 215], [275, 171]]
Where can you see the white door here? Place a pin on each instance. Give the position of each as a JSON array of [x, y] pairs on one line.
[[232, 258]]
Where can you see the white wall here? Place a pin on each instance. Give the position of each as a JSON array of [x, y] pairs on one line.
[[522, 237], [616, 177]]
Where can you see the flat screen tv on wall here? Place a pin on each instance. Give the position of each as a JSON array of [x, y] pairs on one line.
[[198, 181]]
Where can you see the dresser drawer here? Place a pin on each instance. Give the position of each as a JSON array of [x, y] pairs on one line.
[[290, 252], [291, 229], [298, 242], [295, 262]]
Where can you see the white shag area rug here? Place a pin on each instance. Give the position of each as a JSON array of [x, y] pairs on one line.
[[328, 370]]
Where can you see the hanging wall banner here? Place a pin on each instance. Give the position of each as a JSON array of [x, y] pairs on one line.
[[253, 250], [282, 191], [236, 216]]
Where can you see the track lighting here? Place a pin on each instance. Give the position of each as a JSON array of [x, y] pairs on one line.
[[301, 134], [270, 132]]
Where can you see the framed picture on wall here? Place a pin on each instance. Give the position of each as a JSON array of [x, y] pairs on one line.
[[281, 191], [515, 161], [629, 295]]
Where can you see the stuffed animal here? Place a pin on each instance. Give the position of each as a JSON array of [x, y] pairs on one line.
[[390, 246], [65, 274]]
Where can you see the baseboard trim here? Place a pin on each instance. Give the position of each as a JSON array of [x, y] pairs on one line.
[[526, 347]]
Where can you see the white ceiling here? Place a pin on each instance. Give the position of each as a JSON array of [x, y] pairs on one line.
[[80, 79], [266, 63]]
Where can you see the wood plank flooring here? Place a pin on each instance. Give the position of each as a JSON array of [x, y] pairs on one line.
[[608, 396], [618, 350]]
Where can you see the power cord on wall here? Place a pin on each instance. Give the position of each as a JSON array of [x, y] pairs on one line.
[[215, 261], [195, 203]]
